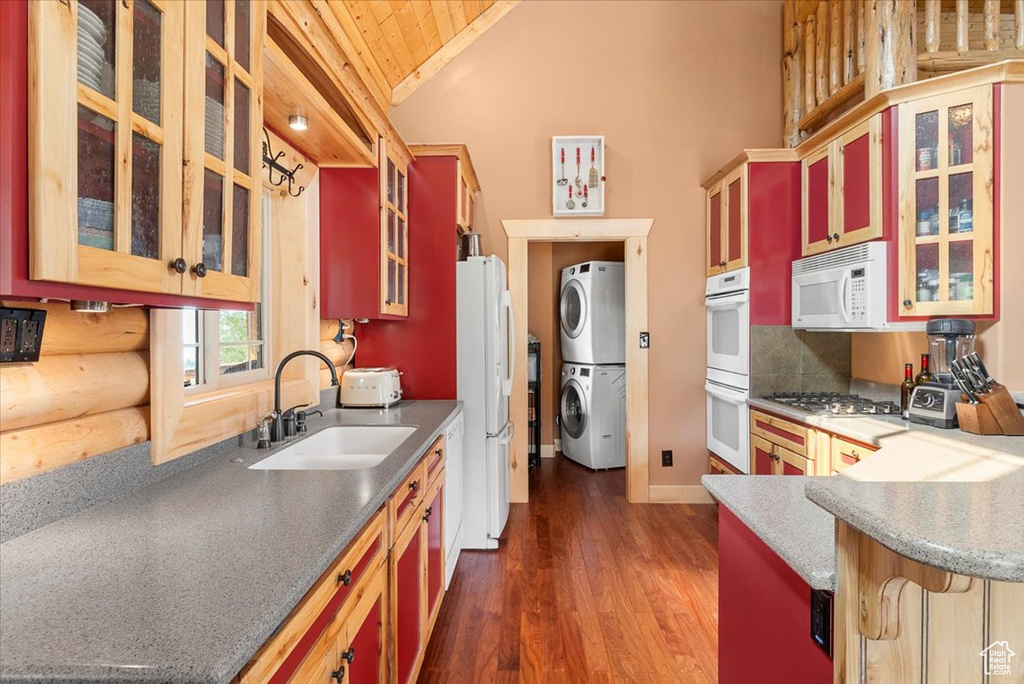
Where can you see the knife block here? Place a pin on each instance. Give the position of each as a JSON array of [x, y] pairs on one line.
[[997, 414]]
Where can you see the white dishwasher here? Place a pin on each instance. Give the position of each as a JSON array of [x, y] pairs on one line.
[[453, 502]]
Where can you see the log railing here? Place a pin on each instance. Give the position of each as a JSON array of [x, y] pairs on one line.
[[836, 52]]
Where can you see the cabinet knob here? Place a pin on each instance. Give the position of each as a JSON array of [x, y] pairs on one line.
[[907, 303], [178, 265], [426, 517], [200, 270], [349, 655], [835, 236], [854, 453], [828, 239], [437, 451], [414, 485], [338, 674], [345, 578]]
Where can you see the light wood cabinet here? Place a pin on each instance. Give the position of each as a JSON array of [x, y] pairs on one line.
[[842, 190], [767, 458], [727, 222], [394, 235], [946, 186], [143, 144], [717, 466], [466, 199], [846, 454]]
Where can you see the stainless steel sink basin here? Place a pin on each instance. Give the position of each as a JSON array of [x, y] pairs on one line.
[[339, 448]]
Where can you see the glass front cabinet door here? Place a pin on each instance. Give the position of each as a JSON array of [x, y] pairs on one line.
[[394, 253], [108, 130], [946, 204]]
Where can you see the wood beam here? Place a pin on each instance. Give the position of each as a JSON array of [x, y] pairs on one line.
[[890, 44], [462, 40], [792, 73]]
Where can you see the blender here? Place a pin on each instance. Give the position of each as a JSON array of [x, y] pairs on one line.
[[934, 402]]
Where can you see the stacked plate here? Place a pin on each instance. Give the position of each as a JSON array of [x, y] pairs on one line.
[[214, 128], [146, 99], [95, 223], [91, 58]]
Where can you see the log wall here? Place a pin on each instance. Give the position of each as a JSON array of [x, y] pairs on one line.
[[87, 395]]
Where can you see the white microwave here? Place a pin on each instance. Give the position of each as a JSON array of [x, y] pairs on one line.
[[842, 290]]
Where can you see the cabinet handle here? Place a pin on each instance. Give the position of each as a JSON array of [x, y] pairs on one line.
[[349, 655], [854, 453], [907, 303], [414, 485], [430, 510], [178, 266], [835, 236], [200, 270], [828, 239], [345, 578], [338, 674]]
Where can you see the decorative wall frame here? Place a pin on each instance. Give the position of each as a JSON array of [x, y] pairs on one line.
[[577, 175]]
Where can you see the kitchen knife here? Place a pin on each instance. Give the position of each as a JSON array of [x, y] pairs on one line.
[[971, 396], [962, 372], [976, 373], [976, 358]]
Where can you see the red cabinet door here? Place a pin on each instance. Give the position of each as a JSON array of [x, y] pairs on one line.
[[408, 597], [859, 170], [435, 553], [734, 224], [817, 204], [366, 649], [761, 456]]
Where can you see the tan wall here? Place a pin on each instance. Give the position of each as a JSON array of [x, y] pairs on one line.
[[546, 261], [677, 88], [880, 357]]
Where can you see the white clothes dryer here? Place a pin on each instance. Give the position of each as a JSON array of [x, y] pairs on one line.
[[593, 415], [592, 311]]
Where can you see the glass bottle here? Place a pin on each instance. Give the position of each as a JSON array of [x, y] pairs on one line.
[[925, 375], [907, 388]]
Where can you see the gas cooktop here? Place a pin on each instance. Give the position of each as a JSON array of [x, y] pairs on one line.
[[834, 403]]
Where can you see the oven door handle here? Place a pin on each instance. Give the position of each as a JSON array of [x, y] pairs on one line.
[[735, 396], [732, 301]]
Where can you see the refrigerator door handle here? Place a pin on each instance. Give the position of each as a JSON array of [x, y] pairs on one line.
[[506, 302], [509, 433]]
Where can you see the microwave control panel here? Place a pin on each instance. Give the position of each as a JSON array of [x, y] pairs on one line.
[[858, 295]]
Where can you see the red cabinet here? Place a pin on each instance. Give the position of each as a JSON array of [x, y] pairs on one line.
[[406, 613], [762, 459], [842, 198], [434, 524], [363, 651], [364, 241], [764, 613]]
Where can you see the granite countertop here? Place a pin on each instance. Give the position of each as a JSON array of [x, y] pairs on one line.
[[945, 498], [185, 579], [777, 510]]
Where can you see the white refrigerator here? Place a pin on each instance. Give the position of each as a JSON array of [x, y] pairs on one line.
[[485, 327]]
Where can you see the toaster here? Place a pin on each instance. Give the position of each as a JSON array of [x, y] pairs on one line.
[[370, 387]]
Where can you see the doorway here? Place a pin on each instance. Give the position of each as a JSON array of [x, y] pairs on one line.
[[632, 234]]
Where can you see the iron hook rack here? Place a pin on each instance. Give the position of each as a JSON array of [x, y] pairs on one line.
[[270, 161]]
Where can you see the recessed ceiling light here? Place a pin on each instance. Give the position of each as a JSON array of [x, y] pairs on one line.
[[298, 122]]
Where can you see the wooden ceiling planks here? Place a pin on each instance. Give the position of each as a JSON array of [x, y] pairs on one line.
[[404, 42]]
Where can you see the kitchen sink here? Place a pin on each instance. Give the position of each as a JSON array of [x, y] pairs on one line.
[[339, 448]]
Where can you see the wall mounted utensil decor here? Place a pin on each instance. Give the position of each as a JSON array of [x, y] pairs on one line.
[[582, 193]]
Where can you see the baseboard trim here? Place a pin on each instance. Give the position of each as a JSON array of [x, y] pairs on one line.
[[547, 450], [677, 494], [558, 445]]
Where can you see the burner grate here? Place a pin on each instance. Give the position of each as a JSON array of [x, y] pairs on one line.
[[834, 403]]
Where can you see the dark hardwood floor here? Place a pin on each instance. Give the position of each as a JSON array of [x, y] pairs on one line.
[[585, 588]]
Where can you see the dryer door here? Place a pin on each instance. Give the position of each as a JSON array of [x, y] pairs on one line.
[[574, 410], [573, 308]]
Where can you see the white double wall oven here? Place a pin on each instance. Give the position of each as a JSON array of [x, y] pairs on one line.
[[727, 384]]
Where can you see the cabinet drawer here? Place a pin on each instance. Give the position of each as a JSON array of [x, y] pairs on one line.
[[435, 459], [768, 458], [717, 466], [310, 623], [846, 454], [790, 463], [405, 500], [790, 435]]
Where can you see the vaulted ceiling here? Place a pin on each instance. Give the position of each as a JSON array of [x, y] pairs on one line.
[[402, 43]]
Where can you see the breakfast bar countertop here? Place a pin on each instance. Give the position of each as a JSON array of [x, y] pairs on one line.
[[185, 579]]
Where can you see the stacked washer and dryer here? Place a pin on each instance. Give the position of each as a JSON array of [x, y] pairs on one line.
[[593, 403]]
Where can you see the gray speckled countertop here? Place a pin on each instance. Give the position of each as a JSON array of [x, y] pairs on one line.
[[776, 510], [945, 498], [184, 580]]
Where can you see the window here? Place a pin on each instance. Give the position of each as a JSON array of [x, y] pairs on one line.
[[227, 348]]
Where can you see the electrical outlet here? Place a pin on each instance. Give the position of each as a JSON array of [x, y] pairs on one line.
[[29, 335], [21, 334], [645, 340], [821, 620], [666, 458], [8, 335]]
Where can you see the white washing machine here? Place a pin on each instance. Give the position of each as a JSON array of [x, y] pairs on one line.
[[593, 316], [593, 410]]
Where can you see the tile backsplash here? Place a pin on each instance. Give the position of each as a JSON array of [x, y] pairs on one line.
[[787, 360]]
